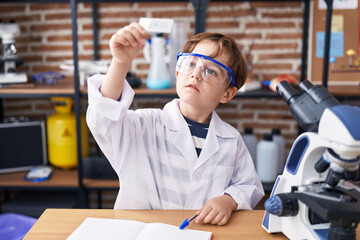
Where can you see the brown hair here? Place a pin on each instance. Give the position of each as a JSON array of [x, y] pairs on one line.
[[223, 44]]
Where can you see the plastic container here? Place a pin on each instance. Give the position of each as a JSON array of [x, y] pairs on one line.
[[159, 76], [267, 155], [61, 135], [251, 142], [280, 140], [15, 226]]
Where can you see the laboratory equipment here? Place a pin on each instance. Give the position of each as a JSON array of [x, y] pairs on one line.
[[318, 196], [9, 59], [155, 52], [61, 135]]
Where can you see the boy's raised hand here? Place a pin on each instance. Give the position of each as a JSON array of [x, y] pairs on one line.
[[127, 42], [217, 210]]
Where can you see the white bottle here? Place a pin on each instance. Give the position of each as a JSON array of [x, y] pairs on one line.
[[251, 142], [280, 140], [267, 155]]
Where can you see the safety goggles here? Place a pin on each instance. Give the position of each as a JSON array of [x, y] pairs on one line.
[[211, 70]]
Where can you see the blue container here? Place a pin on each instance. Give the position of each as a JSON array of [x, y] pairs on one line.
[[15, 226]]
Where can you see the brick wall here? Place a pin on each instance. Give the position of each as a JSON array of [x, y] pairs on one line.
[[274, 29]]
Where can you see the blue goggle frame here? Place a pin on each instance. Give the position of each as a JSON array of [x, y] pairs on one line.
[[231, 74]]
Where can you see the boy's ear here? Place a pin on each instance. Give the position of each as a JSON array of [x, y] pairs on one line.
[[229, 94]]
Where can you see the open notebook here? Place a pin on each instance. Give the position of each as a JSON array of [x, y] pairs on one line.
[[106, 229]]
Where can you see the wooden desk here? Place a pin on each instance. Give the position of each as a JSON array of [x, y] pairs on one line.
[[60, 223]]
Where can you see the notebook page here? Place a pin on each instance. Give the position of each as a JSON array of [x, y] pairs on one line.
[[161, 231], [109, 229]]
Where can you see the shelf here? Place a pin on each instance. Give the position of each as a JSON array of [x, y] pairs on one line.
[[60, 179], [344, 91], [33, 90]]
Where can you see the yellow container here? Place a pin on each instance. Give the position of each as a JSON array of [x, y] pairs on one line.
[[61, 135]]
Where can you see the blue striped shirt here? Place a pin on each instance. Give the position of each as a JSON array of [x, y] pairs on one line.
[[198, 133]]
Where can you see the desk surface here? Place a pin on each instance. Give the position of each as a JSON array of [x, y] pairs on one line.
[[60, 223]]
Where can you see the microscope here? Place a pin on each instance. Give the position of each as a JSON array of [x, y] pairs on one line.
[[9, 59], [318, 194]]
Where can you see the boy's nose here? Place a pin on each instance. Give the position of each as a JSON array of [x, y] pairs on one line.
[[197, 73]]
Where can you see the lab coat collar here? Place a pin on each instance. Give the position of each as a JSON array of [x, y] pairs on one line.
[[174, 120]]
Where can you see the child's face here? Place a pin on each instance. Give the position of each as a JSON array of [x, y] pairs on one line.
[[195, 91]]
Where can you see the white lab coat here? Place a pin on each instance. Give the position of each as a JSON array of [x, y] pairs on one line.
[[153, 153]]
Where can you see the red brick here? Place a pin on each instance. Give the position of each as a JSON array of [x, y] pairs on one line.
[[25, 39], [268, 25], [49, 27], [275, 4], [22, 18], [81, 37], [162, 4], [230, 105], [283, 36], [107, 36], [57, 6], [133, 14], [173, 14], [275, 116], [100, 47], [234, 13], [144, 66], [222, 25], [46, 68], [43, 106], [61, 16], [111, 5], [51, 48], [32, 58], [258, 46], [280, 56], [285, 15], [223, 3], [5, 8], [244, 35], [23, 107]]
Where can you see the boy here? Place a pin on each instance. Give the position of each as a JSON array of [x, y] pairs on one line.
[[184, 156]]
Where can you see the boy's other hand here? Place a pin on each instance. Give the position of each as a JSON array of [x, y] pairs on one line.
[[127, 42], [217, 210]]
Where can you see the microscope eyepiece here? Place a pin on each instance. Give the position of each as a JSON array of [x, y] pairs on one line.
[[305, 85], [287, 92]]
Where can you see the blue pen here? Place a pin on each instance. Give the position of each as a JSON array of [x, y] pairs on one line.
[[187, 221]]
